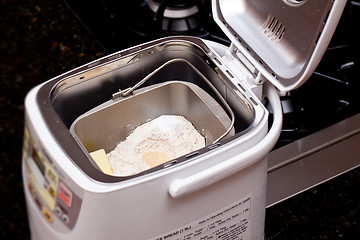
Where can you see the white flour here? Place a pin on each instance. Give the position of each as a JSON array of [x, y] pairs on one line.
[[169, 135]]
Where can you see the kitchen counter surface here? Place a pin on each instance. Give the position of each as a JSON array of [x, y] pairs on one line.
[[42, 39]]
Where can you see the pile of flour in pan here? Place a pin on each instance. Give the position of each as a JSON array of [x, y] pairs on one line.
[[153, 143]]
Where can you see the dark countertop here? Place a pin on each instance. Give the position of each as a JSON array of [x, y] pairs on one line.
[[39, 40], [42, 39]]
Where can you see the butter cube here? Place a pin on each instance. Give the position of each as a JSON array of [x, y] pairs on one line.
[[101, 160]]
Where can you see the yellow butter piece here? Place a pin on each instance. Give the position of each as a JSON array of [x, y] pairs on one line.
[[102, 161]]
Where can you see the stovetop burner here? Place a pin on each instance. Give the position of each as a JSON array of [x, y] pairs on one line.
[[159, 18], [176, 16]]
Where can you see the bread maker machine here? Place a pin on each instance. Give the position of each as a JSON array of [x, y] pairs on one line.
[[215, 192]]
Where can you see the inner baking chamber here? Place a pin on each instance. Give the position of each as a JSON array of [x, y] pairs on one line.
[[95, 84]]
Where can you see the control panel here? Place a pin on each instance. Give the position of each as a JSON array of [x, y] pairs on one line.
[[52, 196]]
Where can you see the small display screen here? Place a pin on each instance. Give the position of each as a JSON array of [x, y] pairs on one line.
[[38, 162]]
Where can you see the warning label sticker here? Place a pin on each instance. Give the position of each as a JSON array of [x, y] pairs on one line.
[[229, 223]]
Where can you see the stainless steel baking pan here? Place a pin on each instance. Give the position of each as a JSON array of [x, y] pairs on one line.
[[110, 123]]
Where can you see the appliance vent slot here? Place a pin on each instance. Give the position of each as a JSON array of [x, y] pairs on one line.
[[273, 28]]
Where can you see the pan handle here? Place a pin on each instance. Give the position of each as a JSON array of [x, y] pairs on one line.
[[182, 187]]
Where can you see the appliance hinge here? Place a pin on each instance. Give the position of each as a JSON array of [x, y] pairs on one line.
[[252, 76], [258, 78]]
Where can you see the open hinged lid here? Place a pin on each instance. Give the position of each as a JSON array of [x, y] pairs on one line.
[[283, 39]]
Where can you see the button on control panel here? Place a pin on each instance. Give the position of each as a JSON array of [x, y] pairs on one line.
[[65, 195]]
